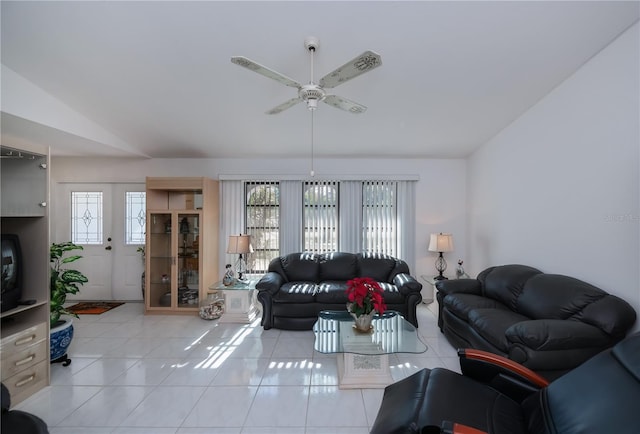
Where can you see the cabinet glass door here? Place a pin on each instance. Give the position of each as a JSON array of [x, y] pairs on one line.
[[160, 259], [188, 268]]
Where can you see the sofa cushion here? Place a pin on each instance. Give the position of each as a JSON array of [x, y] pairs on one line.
[[461, 304], [303, 267], [492, 325], [376, 266], [338, 266], [331, 292], [556, 334], [296, 292], [505, 283]]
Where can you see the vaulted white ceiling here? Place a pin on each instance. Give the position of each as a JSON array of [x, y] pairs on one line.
[[155, 78]]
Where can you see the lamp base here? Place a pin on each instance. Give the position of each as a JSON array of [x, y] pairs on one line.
[[441, 265]]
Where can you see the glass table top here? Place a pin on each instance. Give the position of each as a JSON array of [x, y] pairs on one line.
[[391, 333], [245, 284]]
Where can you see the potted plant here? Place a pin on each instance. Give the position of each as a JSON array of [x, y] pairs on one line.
[[141, 250], [365, 299], [63, 282]]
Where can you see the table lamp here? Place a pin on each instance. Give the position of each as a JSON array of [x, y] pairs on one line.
[[240, 245], [441, 243]]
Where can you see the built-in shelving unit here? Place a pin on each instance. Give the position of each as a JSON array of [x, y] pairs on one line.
[[24, 330]]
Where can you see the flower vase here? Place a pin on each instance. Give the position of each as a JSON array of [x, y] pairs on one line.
[[363, 321]]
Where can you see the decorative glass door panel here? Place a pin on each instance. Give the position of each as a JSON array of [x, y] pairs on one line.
[[161, 260], [188, 268]]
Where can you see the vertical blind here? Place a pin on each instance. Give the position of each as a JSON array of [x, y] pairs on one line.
[[289, 216], [262, 222], [321, 216], [379, 217]]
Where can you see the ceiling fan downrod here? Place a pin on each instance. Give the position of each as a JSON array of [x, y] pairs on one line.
[[312, 93]]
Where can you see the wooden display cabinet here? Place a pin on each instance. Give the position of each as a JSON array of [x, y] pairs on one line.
[[181, 243]]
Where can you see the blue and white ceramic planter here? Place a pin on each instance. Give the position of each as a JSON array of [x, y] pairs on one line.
[[60, 339]]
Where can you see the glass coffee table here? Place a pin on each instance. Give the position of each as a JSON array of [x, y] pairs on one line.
[[363, 358]]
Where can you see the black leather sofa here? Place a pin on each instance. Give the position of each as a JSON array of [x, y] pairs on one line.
[[498, 396], [549, 323], [298, 286]]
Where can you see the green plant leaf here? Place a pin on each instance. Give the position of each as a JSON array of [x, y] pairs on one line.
[[71, 259], [63, 281]]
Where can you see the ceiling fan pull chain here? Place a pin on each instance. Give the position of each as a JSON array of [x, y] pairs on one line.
[[312, 173]]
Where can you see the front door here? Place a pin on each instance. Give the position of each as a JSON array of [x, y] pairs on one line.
[[94, 216]]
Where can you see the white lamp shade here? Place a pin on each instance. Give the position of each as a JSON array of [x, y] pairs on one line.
[[441, 243], [239, 244]]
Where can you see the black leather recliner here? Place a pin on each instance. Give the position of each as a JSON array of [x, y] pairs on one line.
[[19, 422], [498, 396]]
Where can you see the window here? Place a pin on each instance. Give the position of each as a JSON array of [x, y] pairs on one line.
[[379, 217], [135, 217], [263, 223], [86, 217], [320, 208], [373, 216]]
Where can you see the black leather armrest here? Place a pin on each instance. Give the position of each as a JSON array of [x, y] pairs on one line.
[[449, 427], [270, 282], [457, 428], [504, 375], [406, 283], [452, 286]]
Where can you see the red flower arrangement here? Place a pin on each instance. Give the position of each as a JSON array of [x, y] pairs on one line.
[[365, 296]]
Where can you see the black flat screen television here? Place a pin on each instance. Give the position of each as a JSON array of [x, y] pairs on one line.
[[11, 272]]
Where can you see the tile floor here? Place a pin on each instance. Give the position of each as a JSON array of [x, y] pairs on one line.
[[160, 374]]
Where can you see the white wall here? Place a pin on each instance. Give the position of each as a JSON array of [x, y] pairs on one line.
[[559, 189], [440, 191]]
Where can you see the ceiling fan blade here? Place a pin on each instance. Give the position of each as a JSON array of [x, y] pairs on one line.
[[353, 68], [260, 69], [285, 105], [344, 104]]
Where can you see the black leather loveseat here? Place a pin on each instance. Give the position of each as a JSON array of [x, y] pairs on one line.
[[298, 286], [498, 396], [549, 323]]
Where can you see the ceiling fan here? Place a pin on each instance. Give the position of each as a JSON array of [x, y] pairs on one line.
[[312, 93]]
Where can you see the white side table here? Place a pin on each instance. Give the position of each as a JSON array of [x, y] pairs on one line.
[[239, 301], [428, 290]]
